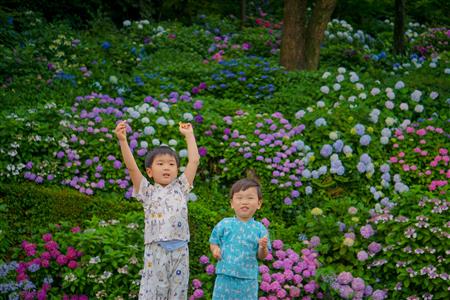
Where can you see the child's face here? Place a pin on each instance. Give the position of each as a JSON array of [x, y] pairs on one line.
[[246, 203], [164, 169]]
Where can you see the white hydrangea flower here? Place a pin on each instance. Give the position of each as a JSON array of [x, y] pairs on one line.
[[399, 85], [359, 86], [389, 121], [418, 108], [336, 86], [375, 91], [434, 95], [326, 75], [325, 89], [354, 77], [334, 135], [390, 95], [351, 99], [188, 117], [389, 104], [416, 95], [113, 79], [183, 153], [342, 70]]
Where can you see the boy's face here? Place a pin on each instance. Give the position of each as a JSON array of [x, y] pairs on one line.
[[163, 170], [246, 203]]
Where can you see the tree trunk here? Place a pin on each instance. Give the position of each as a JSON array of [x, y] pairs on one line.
[[399, 27], [292, 55], [243, 14], [317, 25], [302, 35]]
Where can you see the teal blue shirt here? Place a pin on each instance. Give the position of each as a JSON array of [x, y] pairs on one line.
[[238, 242]]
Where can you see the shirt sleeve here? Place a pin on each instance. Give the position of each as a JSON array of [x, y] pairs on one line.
[[185, 186], [216, 234], [144, 189]]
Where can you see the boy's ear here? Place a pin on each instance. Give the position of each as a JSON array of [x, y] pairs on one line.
[[260, 201], [149, 172]]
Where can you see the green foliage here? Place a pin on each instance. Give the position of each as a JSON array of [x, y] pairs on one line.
[[27, 208], [415, 238]]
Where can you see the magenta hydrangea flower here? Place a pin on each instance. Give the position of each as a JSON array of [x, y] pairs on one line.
[[310, 287], [263, 269], [196, 283], [198, 294], [277, 244], [47, 237], [210, 269], [204, 259], [265, 222]]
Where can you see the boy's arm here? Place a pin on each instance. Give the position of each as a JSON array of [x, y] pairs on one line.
[[193, 156], [263, 250], [130, 163], [215, 250]]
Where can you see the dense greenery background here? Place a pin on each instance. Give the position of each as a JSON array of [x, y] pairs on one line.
[[70, 71]]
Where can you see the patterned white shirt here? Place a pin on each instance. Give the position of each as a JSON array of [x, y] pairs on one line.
[[165, 209]]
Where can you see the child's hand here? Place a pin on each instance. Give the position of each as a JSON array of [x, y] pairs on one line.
[[263, 242], [216, 253], [186, 128], [121, 131]]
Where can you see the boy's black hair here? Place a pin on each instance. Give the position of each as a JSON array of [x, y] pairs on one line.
[[161, 150], [243, 185]]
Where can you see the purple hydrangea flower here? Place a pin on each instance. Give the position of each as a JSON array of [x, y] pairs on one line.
[[367, 231], [344, 278]]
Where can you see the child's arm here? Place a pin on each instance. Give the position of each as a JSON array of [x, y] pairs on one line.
[[193, 156], [263, 251], [215, 249], [130, 163]]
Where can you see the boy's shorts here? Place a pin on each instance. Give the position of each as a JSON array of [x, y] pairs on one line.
[[166, 273], [233, 288]]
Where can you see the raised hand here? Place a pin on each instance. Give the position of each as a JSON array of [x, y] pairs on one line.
[[186, 128], [121, 131]]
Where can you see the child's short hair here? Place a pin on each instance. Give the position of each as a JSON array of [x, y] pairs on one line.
[[161, 150], [243, 185]]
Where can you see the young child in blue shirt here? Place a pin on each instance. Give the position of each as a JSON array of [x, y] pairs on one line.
[[165, 275], [237, 242]]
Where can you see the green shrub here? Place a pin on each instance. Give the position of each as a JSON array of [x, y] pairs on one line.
[[30, 207]]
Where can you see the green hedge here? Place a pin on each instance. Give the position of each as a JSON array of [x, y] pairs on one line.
[[28, 208]]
